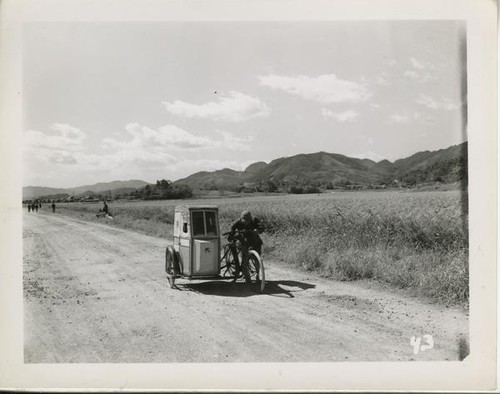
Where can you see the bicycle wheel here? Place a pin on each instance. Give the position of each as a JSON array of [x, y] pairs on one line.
[[255, 269], [228, 270]]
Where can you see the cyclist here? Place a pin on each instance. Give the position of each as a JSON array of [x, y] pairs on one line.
[[251, 228]]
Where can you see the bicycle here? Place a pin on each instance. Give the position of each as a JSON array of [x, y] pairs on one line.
[[238, 261]]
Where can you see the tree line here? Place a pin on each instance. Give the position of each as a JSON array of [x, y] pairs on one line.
[[163, 190]]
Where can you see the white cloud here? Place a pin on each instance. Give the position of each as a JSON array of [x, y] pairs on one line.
[[419, 77], [64, 137], [325, 88], [54, 156], [346, 116], [381, 79], [150, 140], [169, 148], [235, 108], [368, 155], [231, 142], [443, 103], [424, 118], [140, 145], [58, 146], [397, 118], [411, 74], [166, 144], [421, 71], [136, 151], [391, 62], [416, 64], [171, 137], [408, 117], [127, 156]]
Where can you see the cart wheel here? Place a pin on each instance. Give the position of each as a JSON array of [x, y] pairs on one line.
[[170, 266], [255, 270]]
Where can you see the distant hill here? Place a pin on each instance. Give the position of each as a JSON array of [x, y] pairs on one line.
[[256, 167], [321, 169], [318, 167], [33, 192], [331, 170], [225, 179], [109, 186], [444, 165]]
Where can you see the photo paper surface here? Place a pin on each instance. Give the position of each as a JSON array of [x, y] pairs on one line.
[[253, 198]]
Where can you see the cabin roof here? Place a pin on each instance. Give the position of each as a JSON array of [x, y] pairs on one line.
[[185, 208]]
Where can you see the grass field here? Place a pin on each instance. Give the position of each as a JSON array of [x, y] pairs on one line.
[[415, 240]]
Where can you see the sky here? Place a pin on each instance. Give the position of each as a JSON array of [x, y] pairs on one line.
[[105, 101]]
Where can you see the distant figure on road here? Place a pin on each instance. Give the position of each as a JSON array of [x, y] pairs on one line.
[[35, 206], [104, 212], [29, 207], [53, 207]]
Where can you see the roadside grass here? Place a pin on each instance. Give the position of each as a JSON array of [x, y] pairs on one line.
[[442, 276], [146, 219], [423, 249], [417, 241]]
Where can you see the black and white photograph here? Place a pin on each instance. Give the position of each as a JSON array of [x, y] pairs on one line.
[[251, 193]]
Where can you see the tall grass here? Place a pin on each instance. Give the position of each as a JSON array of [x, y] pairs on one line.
[[148, 219], [410, 240]]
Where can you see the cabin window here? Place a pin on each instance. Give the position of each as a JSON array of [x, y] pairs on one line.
[[204, 223], [185, 227], [198, 223], [211, 223]]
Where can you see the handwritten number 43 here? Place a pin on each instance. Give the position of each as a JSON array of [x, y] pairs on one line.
[[416, 342]]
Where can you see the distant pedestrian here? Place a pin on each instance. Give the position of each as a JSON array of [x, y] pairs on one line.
[[53, 207], [29, 207], [36, 207]]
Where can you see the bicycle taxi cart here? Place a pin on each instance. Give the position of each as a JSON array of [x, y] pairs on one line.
[[197, 254]]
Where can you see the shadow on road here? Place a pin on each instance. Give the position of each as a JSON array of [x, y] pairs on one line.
[[241, 289]]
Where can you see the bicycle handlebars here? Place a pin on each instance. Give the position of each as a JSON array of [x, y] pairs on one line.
[[243, 231], [237, 234]]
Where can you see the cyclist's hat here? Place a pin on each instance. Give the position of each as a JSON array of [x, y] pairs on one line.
[[246, 215]]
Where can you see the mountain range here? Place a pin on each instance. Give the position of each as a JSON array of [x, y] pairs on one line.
[[115, 187], [321, 169], [332, 169]]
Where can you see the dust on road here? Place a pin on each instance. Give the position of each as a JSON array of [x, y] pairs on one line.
[[93, 293]]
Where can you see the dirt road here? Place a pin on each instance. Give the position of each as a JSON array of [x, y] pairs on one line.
[[93, 293]]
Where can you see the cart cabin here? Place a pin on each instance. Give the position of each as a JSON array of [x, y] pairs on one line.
[[196, 222], [196, 239]]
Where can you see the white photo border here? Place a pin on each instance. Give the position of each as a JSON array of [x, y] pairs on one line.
[[476, 372]]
